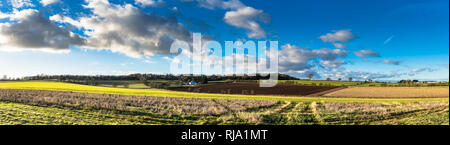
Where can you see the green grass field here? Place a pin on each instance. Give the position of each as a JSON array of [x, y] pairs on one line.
[[288, 110]]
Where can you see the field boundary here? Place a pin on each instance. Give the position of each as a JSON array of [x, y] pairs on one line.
[[320, 94]]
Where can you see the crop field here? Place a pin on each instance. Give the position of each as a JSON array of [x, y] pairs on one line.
[[391, 92], [319, 83], [64, 108], [254, 89], [358, 83], [57, 86], [73, 104]]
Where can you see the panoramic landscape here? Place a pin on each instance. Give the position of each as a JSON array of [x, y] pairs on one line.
[[170, 102], [224, 62]]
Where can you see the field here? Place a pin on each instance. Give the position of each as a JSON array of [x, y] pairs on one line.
[[64, 103], [254, 89], [319, 83], [358, 83], [391, 92]]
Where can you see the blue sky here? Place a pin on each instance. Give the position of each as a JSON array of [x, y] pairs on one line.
[[381, 40]]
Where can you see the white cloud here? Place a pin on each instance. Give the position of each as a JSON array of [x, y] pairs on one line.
[[338, 36], [360, 75], [144, 3], [339, 45], [342, 36], [48, 2], [212, 4], [247, 18], [366, 53], [148, 61], [367, 75], [294, 58], [63, 19], [32, 31], [394, 62], [126, 29], [417, 71], [332, 63], [21, 3], [3, 15], [240, 15]]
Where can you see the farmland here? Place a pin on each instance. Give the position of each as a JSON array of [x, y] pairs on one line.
[[40, 102], [391, 92], [254, 89], [358, 83]]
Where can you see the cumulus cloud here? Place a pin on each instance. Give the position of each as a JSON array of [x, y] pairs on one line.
[[294, 58], [338, 36], [128, 30], [48, 2], [144, 3], [240, 15], [31, 30], [394, 62], [332, 63], [366, 53], [247, 18]]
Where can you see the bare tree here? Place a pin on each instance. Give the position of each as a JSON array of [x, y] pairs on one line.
[[350, 79], [310, 76]]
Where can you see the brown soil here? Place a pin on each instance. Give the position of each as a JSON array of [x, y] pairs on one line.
[[254, 89]]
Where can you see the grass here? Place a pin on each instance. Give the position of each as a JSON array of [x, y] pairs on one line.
[[57, 86], [23, 114], [285, 113]]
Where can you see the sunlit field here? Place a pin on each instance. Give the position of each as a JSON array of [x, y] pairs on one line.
[[358, 83], [56, 86], [392, 92], [58, 103]]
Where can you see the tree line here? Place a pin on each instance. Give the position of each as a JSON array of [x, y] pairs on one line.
[[143, 77]]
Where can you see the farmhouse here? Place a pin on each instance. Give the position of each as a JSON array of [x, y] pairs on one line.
[[193, 83]]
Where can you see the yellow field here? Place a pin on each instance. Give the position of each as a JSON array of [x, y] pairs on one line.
[[392, 92], [57, 86]]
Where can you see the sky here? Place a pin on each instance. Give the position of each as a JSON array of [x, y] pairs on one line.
[[373, 39]]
